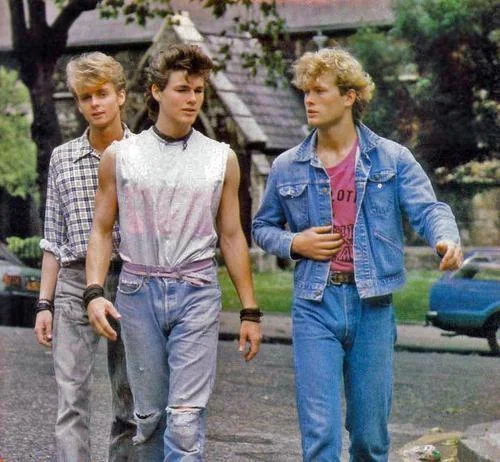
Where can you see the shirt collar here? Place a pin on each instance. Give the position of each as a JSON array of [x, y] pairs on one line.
[[86, 149], [367, 140]]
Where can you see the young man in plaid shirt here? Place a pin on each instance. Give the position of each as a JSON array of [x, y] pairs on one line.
[[97, 82]]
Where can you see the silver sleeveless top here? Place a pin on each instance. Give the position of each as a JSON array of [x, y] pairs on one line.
[[168, 198]]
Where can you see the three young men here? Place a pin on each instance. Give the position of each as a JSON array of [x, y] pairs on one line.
[[176, 194], [342, 193], [98, 84]]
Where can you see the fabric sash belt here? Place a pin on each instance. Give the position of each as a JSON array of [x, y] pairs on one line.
[[189, 272]]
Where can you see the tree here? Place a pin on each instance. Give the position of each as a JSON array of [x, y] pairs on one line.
[[455, 46], [37, 46], [387, 60], [17, 151]]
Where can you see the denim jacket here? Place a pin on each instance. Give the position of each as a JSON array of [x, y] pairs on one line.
[[389, 182]]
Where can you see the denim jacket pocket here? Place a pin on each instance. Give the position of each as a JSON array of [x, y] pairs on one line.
[[294, 198], [388, 255], [380, 191], [130, 283]]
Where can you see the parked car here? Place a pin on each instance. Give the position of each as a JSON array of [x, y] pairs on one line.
[[19, 289], [467, 301]]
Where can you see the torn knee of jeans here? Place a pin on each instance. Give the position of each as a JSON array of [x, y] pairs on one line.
[[146, 424], [184, 427]]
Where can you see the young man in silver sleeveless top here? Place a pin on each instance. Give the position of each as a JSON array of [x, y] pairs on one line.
[[176, 192]]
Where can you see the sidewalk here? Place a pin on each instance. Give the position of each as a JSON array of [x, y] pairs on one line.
[[480, 443]]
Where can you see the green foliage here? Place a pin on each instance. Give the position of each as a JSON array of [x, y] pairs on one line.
[[387, 60], [455, 46], [262, 21], [17, 151], [28, 250], [474, 172]]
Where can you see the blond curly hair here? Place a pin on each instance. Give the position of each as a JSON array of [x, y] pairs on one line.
[[346, 71]]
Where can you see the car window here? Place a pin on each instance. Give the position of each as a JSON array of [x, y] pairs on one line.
[[7, 255], [479, 270]]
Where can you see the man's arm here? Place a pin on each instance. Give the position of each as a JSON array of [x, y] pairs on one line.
[[43, 323], [432, 219], [100, 245], [54, 235], [234, 248], [268, 229]]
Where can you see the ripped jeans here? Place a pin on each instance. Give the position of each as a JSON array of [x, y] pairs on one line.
[[170, 330]]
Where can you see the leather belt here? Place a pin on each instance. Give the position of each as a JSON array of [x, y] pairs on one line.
[[338, 277]]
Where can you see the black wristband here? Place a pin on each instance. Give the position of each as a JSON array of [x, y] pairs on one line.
[[251, 314], [92, 292], [44, 305]]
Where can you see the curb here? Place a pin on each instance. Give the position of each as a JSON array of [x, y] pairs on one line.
[[481, 443]]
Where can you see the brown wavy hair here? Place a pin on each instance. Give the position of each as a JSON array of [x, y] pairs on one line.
[[178, 57]]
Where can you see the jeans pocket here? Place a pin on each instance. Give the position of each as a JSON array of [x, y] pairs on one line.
[[129, 283]]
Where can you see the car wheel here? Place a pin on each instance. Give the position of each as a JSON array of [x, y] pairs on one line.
[[493, 336]]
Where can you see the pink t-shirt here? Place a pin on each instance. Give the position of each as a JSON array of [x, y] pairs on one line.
[[344, 208]]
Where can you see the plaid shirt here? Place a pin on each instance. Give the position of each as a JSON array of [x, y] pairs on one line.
[[71, 187]]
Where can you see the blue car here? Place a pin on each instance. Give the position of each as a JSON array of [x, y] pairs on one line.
[[467, 301]]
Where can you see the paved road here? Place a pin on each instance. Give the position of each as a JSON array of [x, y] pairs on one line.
[[252, 413]]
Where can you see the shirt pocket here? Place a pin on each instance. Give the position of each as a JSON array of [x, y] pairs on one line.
[[380, 191], [294, 199]]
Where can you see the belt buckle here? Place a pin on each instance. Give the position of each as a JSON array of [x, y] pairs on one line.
[[333, 279]]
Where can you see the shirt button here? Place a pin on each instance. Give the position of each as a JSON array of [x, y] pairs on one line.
[[324, 190], [379, 186]]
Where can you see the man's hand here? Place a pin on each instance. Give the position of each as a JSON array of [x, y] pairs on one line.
[[43, 328], [451, 255], [250, 332], [317, 243], [98, 310]]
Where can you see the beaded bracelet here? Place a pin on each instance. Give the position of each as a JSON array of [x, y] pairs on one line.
[[251, 314]]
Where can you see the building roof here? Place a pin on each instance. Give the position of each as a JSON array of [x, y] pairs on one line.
[[270, 116], [273, 117], [300, 16]]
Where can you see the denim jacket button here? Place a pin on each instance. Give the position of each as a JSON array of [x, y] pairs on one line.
[[379, 186]]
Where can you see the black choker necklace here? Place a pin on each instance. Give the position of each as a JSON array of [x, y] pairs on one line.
[[170, 139]]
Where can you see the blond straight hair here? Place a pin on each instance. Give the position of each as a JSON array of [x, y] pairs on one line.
[[94, 69]]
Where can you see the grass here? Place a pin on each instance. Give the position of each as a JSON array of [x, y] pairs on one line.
[[274, 293]]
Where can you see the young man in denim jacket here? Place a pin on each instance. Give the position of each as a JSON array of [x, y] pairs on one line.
[[342, 193]]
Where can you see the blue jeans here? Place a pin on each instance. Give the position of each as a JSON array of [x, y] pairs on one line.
[[74, 350], [344, 342], [170, 331]]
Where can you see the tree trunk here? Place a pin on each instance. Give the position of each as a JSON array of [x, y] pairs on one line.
[[45, 129]]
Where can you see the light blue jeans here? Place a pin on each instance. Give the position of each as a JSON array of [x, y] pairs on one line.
[[344, 342], [170, 330], [74, 351]]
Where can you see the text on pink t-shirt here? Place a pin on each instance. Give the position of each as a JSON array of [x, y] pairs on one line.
[[344, 208]]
